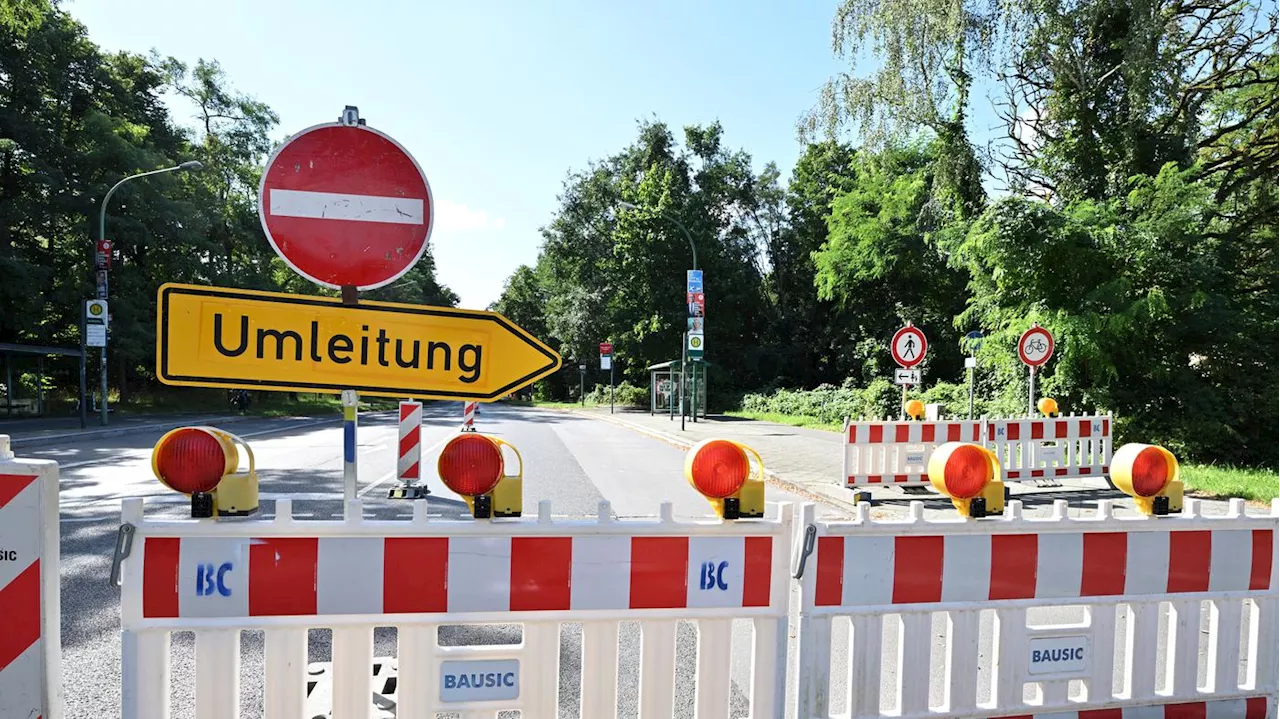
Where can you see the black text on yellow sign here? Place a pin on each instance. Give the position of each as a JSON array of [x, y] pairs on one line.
[[215, 337]]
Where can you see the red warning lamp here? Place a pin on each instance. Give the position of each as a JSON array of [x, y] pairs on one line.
[[195, 461], [1149, 474], [190, 461], [471, 465], [720, 470], [969, 475]]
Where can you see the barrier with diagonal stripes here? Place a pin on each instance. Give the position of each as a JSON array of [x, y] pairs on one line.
[[30, 652]]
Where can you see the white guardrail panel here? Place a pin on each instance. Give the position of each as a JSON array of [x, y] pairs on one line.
[[890, 581], [285, 576], [897, 453]]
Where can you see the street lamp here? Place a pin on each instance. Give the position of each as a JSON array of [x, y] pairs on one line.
[[188, 166], [684, 345]]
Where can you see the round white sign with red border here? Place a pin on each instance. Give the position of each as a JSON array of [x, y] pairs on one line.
[[1035, 347], [908, 346], [346, 205]]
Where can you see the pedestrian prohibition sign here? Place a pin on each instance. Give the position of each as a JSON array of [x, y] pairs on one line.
[[908, 346], [1035, 347], [345, 205]]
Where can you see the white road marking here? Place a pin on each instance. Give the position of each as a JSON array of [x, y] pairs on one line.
[[392, 473], [342, 206]]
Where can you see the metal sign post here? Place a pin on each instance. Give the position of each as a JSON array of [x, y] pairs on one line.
[[350, 412]]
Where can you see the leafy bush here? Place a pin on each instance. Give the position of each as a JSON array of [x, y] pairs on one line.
[[624, 394]]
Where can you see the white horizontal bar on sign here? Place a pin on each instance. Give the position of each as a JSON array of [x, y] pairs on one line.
[[339, 206]]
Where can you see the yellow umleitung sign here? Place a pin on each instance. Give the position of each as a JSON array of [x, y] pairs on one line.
[[216, 337]]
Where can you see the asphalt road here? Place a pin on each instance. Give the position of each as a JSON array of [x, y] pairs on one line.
[[575, 462]]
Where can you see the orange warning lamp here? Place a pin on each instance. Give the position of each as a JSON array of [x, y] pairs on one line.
[[720, 470], [969, 475], [914, 409], [202, 462], [1149, 474], [1048, 406], [472, 466]]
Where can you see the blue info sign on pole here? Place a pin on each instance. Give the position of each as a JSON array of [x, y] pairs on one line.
[[695, 281]]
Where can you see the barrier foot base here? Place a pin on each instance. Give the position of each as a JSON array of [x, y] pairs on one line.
[[1048, 483], [408, 492], [916, 490]]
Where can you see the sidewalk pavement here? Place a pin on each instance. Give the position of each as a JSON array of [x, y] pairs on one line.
[[43, 431], [800, 460]]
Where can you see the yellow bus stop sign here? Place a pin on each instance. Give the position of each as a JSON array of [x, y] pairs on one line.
[[217, 337]]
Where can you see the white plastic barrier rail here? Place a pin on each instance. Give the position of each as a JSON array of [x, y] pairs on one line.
[[285, 576], [913, 595], [897, 452], [888, 452], [30, 648]]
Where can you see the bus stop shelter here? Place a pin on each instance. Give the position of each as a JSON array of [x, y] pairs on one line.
[[667, 391], [36, 405]]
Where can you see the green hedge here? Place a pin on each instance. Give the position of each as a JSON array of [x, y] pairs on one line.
[[880, 399], [625, 394]]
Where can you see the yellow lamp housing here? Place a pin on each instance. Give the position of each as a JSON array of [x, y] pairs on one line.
[[970, 475], [1048, 406], [1149, 474], [914, 409], [237, 493], [720, 470], [505, 496]]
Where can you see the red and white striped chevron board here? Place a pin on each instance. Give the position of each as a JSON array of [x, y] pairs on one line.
[[30, 644], [203, 577], [469, 410], [409, 458]]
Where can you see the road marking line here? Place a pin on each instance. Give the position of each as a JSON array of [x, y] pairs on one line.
[[342, 206], [392, 473]]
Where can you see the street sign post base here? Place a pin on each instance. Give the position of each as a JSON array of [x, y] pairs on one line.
[[409, 491]]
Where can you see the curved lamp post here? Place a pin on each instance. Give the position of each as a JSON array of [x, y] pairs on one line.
[[684, 345], [188, 166]]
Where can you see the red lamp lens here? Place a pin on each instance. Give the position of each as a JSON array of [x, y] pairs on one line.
[[1150, 471], [191, 461], [470, 465], [967, 471], [720, 469]]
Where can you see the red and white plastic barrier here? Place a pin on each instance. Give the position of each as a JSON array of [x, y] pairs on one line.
[[409, 458], [469, 410], [982, 579], [285, 576], [897, 452], [30, 616]]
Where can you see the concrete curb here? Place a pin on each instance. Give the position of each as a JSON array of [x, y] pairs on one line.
[[48, 439], [811, 493]]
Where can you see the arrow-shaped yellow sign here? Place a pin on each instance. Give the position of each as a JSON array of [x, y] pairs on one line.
[[216, 337]]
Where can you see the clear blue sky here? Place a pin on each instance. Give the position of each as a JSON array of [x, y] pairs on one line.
[[499, 100]]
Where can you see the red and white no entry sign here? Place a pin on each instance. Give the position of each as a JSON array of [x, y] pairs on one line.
[[1035, 347], [345, 205], [908, 346]]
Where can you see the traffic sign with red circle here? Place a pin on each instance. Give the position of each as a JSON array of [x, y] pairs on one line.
[[908, 346], [346, 205], [1035, 346]]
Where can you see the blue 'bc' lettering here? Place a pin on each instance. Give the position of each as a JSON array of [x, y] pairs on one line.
[[712, 576], [210, 580]]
